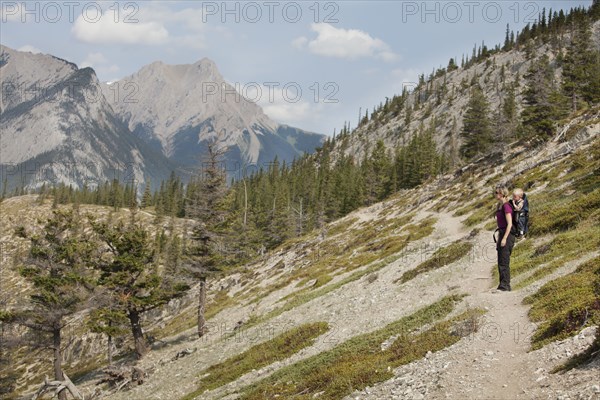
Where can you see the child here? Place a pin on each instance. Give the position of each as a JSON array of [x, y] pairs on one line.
[[520, 205]]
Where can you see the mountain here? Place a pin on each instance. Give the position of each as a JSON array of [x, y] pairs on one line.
[[57, 127], [441, 98], [176, 108], [60, 125]]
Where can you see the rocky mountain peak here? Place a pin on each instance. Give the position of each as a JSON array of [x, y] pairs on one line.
[[175, 108], [57, 127], [27, 76]]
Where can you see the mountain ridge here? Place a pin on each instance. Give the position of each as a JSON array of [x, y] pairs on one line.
[[61, 125], [58, 128], [178, 107]]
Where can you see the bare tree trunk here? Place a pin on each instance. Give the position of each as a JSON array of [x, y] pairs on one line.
[[109, 350], [141, 347], [202, 329], [58, 374], [245, 202]]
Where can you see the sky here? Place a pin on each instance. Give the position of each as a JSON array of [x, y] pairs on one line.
[[312, 65]]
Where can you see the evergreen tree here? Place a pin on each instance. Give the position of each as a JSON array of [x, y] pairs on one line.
[[376, 171], [106, 318], [430, 160], [507, 41], [581, 68], [477, 132], [453, 153], [173, 254], [115, 197], [130, 276], [206, 209], [507, 117], [58, 269], [147, 196], [451, 65], [540, 112]]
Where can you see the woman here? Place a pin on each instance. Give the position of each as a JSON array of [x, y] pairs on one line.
[[506, 240]]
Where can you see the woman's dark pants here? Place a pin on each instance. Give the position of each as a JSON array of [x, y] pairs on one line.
[[504, 260]]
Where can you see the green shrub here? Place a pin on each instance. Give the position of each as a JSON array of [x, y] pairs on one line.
[[263, 354], [442, 257], [564, 305], [360, 361], [555, 218], [564, 247]]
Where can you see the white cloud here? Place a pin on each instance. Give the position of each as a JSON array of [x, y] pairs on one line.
[[99, 63], [196, 42], [155, 25], [404, 78], [286, 106], [107, 31], [190, 19], [93, 59], [300, 42], [287, 113], [112, 68], [389, 56], [345, 43], [30, 49]]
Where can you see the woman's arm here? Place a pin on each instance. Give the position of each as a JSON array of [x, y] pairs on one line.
[[508, 228]]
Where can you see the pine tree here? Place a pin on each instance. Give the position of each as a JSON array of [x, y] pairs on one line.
[[106, 318], [507, 41], [477, 132], [57, 268], [540, 112], [130, 276], [376, 171], [507, 117], [430, 164], [206, 209], [451, 65], [411, 161], [595, 15], [173, 253], [147, 196], [453, 152], [581, 68]]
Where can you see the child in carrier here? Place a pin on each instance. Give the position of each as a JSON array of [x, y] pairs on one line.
[[520, 205]]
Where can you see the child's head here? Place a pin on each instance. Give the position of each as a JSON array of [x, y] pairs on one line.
[[518, 194]]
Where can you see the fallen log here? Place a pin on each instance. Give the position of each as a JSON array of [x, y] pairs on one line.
[[58, 386]]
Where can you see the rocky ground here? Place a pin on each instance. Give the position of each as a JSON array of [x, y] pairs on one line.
[[476, 368], [493, 363]]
